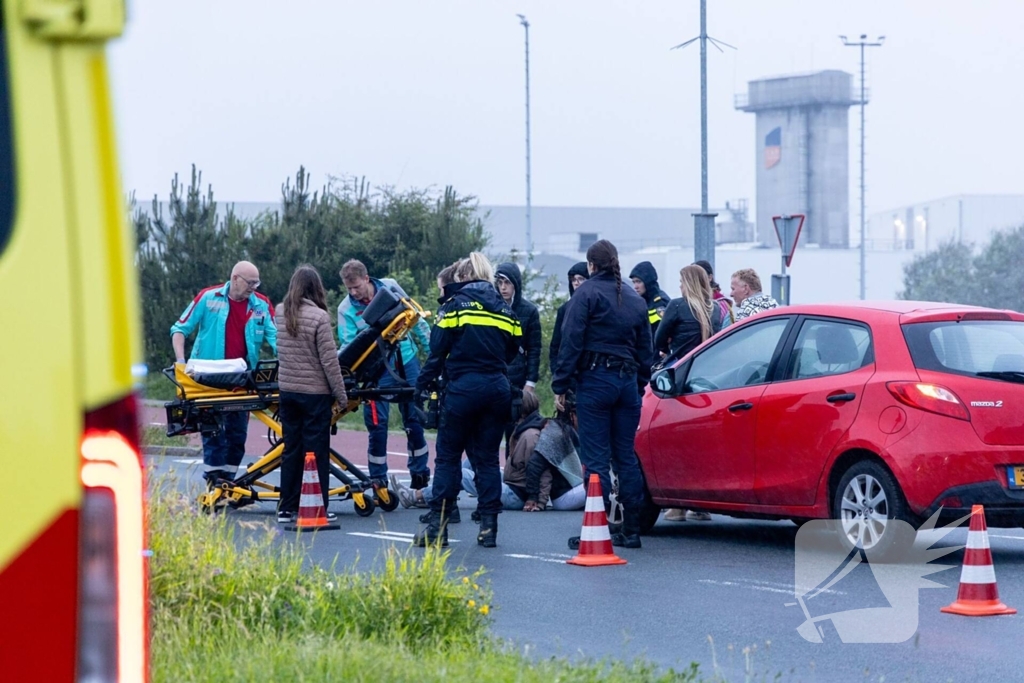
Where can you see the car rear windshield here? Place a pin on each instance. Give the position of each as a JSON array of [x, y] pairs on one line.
[[985, 347]]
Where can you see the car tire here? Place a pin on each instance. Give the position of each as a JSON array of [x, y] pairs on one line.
[[864, 503], [649, 513]]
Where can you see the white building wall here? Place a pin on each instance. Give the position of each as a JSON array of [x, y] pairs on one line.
[[964, 218]]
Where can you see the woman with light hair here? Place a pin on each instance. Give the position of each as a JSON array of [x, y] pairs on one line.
[[688, 322], [475, 337]]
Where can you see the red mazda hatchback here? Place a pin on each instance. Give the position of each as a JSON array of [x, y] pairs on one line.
[[862, 413]]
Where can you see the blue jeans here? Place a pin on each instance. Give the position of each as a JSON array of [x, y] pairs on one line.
[[224, 451], [375, 417], [510, 500], [473, 417], [608, 409]]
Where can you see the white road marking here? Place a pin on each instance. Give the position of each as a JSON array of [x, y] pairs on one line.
[[188, 461], [519, 556], [1016, 538], [391, 536], [764, 586]]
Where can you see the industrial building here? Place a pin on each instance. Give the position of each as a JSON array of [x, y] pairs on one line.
[[968, 218], [802, 153]]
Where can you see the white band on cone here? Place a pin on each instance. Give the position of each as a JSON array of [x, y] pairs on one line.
[[594, 505], [595, 533], [975, 574], [309, 500], [977, 540]]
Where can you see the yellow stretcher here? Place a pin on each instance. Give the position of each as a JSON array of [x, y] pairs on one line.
[[203, 398]]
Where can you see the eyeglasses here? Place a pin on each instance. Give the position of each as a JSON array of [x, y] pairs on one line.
[[253, 284], [578, 280]]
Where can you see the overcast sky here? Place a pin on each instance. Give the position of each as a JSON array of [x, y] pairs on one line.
[[428, 93]]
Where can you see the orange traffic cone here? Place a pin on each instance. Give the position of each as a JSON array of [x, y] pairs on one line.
[[595, 540], [312, 515], [978, 595]]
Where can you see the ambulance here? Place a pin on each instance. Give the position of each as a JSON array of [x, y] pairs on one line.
[[73, 601]]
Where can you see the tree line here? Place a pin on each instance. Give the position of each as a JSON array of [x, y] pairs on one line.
[[193, 244], [959, 273]]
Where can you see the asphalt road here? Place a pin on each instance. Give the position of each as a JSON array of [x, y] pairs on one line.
[[714, 593]]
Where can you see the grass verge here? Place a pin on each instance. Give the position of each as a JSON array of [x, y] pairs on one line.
[[230, 602]]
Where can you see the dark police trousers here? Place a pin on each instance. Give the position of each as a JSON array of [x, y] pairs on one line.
[[608, 410], [473, 417], [306, 427]]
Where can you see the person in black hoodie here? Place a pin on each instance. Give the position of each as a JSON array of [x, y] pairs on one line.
[[645, 283], [524, 371], [578, 274], [474, 339]]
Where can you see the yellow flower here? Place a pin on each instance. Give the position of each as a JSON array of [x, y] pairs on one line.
[[465, 579], [485, 610], [476, 587], [471, 604]]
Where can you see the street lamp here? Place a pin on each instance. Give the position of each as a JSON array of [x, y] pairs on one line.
[[529, 226], [862, 43]]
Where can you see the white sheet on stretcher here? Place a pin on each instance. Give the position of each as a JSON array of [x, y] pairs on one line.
[[213, 366]]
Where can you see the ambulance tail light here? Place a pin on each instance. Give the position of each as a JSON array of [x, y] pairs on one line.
[[112, 595]]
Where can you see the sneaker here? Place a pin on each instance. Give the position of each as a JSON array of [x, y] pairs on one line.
[[675, 515], [406, 496], [284, 517], [332, 516], [693, 516]]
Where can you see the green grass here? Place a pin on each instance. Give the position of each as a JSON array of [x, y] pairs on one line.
[[157, 436], [231, 602], [157, 387]]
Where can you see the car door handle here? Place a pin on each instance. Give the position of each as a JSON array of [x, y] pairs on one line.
[[838, 398], [740, 406]]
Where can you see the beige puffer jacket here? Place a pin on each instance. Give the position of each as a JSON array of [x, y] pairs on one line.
[[308, 362]]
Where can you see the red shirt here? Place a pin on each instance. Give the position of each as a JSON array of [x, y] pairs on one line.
[[234, 330]]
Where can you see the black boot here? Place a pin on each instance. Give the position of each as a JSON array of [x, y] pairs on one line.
[[454, 518], [419, 481], [488, 530], [630, 536], [435, 533]]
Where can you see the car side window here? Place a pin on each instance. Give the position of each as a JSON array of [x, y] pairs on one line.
[[741, 359], [6, 146], [829, 347]]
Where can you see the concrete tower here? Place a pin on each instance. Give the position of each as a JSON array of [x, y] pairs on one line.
[[802, 153]]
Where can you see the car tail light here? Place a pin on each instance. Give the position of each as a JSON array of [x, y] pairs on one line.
[[112, 622], [931, 397]]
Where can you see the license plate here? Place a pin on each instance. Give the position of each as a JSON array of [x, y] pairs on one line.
[[1015, 476]]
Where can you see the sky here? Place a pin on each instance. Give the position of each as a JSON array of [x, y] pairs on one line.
[[428, 93]]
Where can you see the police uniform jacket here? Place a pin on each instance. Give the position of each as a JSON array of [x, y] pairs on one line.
[[475, 332], [596, 323]]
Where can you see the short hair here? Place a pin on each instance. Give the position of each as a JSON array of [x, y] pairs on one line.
[[474, 267], [353, 269], [749, 276]]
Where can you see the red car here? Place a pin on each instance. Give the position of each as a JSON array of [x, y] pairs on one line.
[[860, 412]]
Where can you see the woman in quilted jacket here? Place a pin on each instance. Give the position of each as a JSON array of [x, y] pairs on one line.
[[312, 388]]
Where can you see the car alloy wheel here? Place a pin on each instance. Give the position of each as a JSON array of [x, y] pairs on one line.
[[865, 511]]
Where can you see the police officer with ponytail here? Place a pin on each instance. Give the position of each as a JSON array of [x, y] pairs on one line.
[[475, 337], [606, 347]]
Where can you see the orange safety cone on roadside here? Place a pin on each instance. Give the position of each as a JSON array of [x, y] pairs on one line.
[[978, 595], [312, 516], [595, 539]]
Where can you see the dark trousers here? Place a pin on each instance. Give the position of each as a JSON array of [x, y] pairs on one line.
[[224, 451], [375, 417], [473, 418], [306, 423], [608, 409]]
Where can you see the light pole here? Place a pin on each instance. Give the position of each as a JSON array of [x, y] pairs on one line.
[[704, 222], [529, 226], [862, 43]]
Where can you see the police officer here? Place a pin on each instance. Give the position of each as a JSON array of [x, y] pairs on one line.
[[645, 283], [606, 346], [475, 337]]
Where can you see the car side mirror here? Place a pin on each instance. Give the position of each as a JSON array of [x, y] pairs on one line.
[[668, 382]]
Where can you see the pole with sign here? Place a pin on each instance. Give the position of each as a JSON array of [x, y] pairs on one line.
[[787, 229]]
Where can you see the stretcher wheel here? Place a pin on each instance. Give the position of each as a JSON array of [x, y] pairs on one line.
[[208, 500], [363, 504], [387, 500]]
